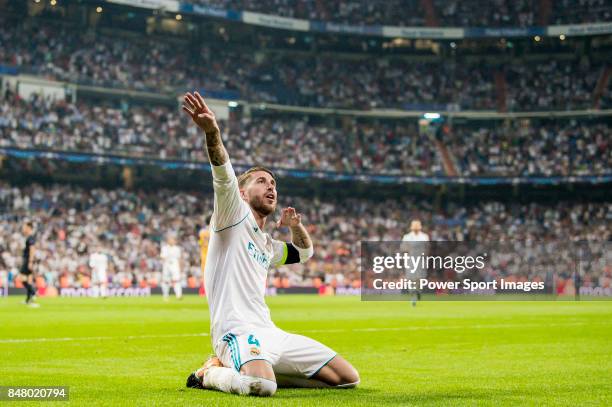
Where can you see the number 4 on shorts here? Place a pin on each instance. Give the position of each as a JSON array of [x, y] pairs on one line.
[[253, 341]]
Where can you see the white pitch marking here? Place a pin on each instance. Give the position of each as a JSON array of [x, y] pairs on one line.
[[96, 338], [381, 329]]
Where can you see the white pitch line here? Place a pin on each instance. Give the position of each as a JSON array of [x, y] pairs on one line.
[[380, 329], [435, 328], [96, 338]]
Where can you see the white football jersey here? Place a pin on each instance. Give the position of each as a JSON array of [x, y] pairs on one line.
[[171, 255], [98, 262], [416, 237], [239, 256]]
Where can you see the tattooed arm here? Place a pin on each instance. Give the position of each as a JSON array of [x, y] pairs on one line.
[[299, 235], [300, 248], [229, 207], [196, 107]]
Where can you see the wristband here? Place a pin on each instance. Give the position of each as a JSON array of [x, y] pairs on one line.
[[305, 254]]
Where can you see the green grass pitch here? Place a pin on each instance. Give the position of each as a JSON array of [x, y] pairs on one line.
[[138, 351]]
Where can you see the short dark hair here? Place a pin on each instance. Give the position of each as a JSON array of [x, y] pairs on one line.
[[245, 176], [29, 224]]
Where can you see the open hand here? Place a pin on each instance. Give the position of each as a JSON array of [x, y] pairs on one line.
[[194, 106], [289, 217]]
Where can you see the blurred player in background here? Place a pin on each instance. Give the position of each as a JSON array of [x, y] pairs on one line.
[[417, 245], [98, 262], [416, 233], [3, 274], [27, 265], [171, 268], [252, 354], [203, 238]]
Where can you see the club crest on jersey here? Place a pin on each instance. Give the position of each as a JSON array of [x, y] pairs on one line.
[[255, 351], [258, 256]]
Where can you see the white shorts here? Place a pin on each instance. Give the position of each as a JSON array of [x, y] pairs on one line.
[[289, 354], [170, 274], [99, 277]]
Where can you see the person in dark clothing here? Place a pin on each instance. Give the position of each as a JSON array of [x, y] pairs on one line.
[[27, 265]]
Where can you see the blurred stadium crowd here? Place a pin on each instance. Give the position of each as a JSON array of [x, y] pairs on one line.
[[241, 62], [571, 147], [575, 147], [130, 226], [456, 13], [161, 65]]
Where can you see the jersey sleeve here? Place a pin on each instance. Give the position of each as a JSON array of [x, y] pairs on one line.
[[284, 253], [229, 208]]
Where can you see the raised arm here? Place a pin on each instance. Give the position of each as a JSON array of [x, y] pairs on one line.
[[195, 106], [229, 208]]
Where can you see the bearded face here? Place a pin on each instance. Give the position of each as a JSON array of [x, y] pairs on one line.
[[260, 193], [263, 205]]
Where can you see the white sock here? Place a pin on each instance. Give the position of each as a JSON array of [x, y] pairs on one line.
[[103, 291], [229, 380], [178, 290]]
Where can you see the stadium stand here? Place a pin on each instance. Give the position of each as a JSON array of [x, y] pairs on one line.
[[160, 65], [520, 149], [133, 223], [560, 87], [446, 13], [368, 146]]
